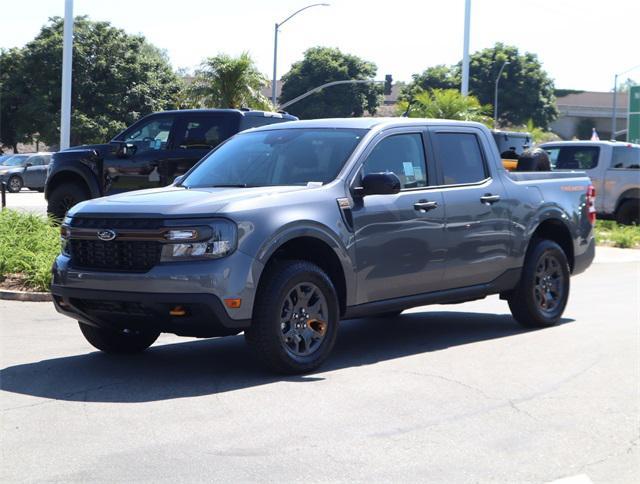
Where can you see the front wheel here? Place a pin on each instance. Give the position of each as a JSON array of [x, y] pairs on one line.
[[63, 197], [295, 318], [543, 291], [118, 342]]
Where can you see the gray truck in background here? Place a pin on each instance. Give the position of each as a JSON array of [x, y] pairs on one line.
[[614, 169], [284, 230]]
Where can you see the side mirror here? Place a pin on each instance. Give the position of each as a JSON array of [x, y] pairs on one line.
[[28, 164], [126, 150], [386, 183]]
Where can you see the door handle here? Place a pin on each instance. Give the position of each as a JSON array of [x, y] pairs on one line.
[[489, 198], [424, 205]]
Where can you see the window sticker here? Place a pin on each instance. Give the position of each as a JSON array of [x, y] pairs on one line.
[[408, 168]]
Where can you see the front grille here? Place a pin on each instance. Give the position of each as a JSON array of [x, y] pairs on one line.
[[116, 223], [129, 256]]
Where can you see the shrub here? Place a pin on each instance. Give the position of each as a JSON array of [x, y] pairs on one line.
[[28, 245]]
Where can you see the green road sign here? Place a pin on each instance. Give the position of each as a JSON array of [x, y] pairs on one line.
[[633, 126]]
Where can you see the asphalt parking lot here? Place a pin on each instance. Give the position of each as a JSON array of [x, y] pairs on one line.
[[440, 394]]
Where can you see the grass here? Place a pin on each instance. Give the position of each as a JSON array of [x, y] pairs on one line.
[[28, 245], [609, 232]]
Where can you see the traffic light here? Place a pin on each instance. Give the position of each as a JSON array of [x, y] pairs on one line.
[[387, 84]]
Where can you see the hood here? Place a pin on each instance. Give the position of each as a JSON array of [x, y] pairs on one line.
[[83, 150], [175, 201], [6, 170]]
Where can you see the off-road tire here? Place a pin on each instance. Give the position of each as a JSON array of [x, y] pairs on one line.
[[525, 306], [265, 336], [14, 184], [118, 342], [628, 212], [65, 196]]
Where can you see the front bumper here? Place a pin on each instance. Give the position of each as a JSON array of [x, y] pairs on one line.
[[128, 300], [204, 316]]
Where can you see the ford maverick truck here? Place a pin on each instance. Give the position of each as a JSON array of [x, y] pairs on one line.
[[150, 153], [284, 230]]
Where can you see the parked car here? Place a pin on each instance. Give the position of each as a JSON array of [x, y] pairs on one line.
[[286, 229], [25, 170], [614, 168], [150, 153]]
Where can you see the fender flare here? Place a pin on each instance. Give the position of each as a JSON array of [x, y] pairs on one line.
[[78, 169]]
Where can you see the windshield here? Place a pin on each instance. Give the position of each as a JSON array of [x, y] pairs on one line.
[[17, 160], [277, 157]]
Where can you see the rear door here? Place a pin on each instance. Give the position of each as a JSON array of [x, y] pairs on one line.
[[399, 246], [196, 134], [477, 229]]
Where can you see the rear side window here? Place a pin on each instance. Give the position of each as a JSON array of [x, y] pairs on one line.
[[626, 157], [573, 157], [460, 157], [205, 132]]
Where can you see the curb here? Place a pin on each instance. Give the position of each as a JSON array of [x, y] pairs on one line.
[[25, 296]]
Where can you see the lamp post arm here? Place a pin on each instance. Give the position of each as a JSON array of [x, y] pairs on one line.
[[328, 84], [298, 11]]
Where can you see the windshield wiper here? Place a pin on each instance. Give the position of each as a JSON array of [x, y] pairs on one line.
[[231, 185]]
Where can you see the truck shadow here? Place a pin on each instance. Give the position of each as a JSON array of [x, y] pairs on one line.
[[205, 367]]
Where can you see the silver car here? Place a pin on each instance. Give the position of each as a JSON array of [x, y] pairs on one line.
[[25, 170]]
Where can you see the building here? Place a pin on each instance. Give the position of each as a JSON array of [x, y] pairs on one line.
[[581, 112]]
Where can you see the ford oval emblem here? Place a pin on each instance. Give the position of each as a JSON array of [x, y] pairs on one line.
[[106, 235]]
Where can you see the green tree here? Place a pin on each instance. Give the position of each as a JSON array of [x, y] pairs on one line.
[[229, 82], [446, 104], [526, 91], [436, 77], [321, 65], [12, 91], [117, 78]]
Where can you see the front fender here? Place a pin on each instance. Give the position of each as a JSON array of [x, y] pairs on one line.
[[85, 164]]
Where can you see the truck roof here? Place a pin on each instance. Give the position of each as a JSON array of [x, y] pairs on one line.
[[241, 112], [367, 123], [589, 143]]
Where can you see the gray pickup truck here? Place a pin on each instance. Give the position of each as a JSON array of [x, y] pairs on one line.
[[284, 230]]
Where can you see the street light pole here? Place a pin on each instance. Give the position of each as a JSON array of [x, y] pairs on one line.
[[615, 106], [465, 50], [275, 47], [495, 97], [67, 55]]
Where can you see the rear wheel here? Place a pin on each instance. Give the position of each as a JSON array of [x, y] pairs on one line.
[[65, 196], [295, 318], [628, 212], [118, 342], [15, 184], [542, 293]]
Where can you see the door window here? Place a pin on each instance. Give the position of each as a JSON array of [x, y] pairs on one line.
[[36, 161], [626, 157], [402, 154], [460, 157], [150, 136], [204, 133], [573, 157]]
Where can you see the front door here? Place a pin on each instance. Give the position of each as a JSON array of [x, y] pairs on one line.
[[478, 231], [149, 148], [399, 246]]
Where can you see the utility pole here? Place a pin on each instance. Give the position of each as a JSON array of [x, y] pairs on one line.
[[495, 97], [67, 56], [465, 52], [275, 48]]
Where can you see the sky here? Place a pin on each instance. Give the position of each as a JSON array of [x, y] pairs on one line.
[[582, 44]]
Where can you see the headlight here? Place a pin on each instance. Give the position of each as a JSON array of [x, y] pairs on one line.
[[222, 242]]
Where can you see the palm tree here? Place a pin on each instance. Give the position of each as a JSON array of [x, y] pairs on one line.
[[229, 82], [446, 104]]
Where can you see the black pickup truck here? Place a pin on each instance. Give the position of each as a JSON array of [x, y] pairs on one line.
[[148, 154]]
